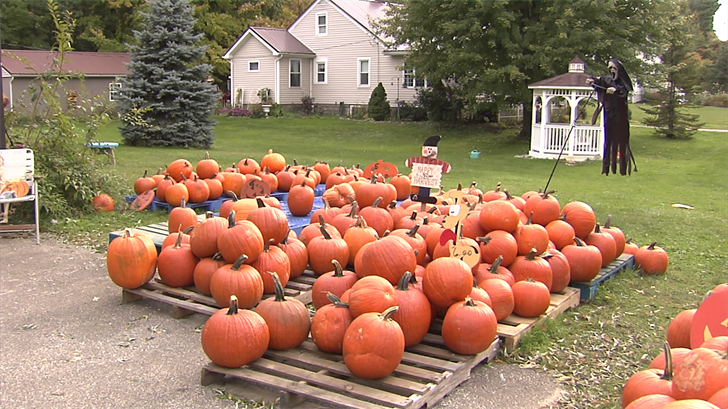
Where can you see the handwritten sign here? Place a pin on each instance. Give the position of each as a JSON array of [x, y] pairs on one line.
[[426, 175]]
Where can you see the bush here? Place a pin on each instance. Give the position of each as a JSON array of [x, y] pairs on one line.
[[235, 112], [307, 107], [718, 100], [411, 112], [378, 108]]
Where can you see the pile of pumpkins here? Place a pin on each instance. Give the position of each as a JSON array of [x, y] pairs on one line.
[[688, 374], [400, 274]]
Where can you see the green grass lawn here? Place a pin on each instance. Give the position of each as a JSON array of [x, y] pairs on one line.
[[596, 346], [712, 117]]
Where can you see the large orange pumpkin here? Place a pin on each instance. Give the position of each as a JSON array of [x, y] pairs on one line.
[[180, 169], [287, 318], [131, 259], [232, 337], [373, 345], [469, 327]]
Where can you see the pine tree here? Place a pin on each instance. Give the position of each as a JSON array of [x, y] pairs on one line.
[[379, 109], [166, 100]]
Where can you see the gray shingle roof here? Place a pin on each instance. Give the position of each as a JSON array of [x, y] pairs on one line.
[[30, 63], [281, 40]]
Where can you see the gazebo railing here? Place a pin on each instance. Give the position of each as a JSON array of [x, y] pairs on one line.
[[584, 141]]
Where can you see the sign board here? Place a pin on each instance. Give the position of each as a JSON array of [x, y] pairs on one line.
[[426, 175]]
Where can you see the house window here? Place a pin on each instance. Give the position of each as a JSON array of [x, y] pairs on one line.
[[411, 80], [253, 66], [114, 90], [321, 24], [363, 72], [321, 72], [295, 73]]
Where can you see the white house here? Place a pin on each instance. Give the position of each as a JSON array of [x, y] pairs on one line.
[[330, 53]]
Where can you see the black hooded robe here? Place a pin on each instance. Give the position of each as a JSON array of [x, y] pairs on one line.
[[616, 121]]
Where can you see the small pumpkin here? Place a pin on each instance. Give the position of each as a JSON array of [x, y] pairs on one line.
[[371, 294], [334, 282], [181, 218], [652, 260], [103, 203], [300, 199], [329, 325], [413, 315], [176, 264], [531, 298]]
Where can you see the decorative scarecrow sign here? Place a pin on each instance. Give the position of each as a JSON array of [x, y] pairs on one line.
[[427, 170]]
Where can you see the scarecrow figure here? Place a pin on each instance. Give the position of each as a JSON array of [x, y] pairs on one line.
[[427, 170], [612, 91]]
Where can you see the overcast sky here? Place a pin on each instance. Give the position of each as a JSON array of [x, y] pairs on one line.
[[720, 21]]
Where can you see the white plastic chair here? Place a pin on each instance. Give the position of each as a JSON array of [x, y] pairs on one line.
[[19, 164]]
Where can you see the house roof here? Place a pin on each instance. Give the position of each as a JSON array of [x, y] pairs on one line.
[[277, 40], [281, 40], [364, 12], [30, 63]]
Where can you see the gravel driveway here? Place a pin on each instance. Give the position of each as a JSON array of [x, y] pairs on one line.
[[67, 341]]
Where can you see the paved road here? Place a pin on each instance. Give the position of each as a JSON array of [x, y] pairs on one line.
[[67, 341]]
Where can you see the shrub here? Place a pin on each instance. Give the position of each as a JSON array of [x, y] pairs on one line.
[[411, 112], [378, 108], [307, 107]]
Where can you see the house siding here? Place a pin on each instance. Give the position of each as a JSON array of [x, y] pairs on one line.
[[345, 43], [251, 82], [292, 95], [90, 88]]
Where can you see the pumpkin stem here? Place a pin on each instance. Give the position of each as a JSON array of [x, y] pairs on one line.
[[652, 246], [387, 314], [392, 205], [260, 202], [336, 300], [667, 374], [280, 296], [376, 202], [128, 233], [233, 308], [231, 219], [432, 210], [496, 263], [403, 284], [470, 302], [178, 242], [338, 270], [352, 212], [217, 256], [188, 230], [508, 195], [232, 194], [579, 242], [266, 246], [597, 229], [608, 221], [532, 255], [547, 193], [530, 216], [182, 202], [484, 239], [413, 232], [209, 215], [324, 232], [239, 262]]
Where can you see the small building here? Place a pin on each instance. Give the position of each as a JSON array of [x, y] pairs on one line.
[[100, 74], [560, 119]]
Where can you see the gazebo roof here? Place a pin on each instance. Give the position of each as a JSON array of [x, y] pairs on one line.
[[570, 80], [574, 78]]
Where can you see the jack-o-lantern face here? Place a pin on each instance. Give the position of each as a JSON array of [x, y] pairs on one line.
[[710, 320]]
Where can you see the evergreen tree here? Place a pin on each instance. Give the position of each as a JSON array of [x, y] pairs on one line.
[[166, 100], [379, 109], [674, 77]]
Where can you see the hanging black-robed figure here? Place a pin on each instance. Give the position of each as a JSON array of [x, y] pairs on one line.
[[612, 91]]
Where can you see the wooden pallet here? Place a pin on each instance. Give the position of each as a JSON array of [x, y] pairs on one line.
[[589, 289], [188, 300], [428, 372], [513, 327]]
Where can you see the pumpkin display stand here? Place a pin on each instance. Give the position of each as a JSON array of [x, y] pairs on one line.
[[428, 372]]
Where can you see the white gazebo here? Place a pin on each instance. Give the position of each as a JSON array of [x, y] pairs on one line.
[[557, 104]]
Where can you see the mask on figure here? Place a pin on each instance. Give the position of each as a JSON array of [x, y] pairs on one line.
[[614, 70]]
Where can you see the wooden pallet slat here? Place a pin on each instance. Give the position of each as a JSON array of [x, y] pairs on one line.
[[307, 374], [589, 289], [513, 327]]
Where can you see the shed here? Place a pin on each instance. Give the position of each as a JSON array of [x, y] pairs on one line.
[[100, 71], [558, 120]]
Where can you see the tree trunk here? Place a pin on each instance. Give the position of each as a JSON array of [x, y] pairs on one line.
[[525, 133]]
